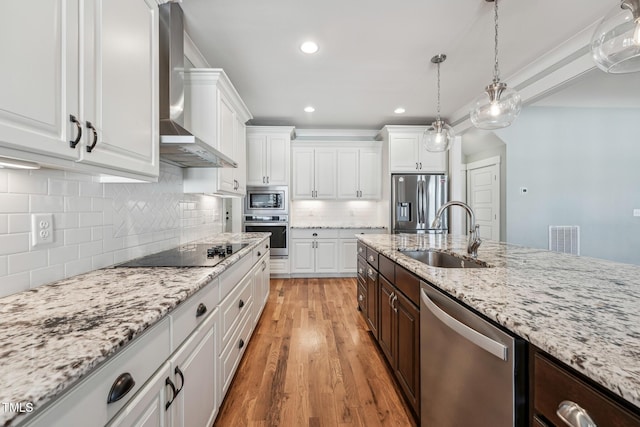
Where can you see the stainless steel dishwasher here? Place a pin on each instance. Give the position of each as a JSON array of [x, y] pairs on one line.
[[471, 371]]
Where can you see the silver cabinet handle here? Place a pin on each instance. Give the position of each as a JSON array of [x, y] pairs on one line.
[[391, 295], [360, 271], [493, 347], [360, 250], [393, 301], [371, 258], [573, 415]]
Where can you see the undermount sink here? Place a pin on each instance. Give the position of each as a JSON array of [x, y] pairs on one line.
[[443, 259]]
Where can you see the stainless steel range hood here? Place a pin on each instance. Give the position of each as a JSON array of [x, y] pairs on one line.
[[178, 145]]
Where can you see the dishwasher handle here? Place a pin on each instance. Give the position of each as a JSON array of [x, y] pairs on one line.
[[491, 346]]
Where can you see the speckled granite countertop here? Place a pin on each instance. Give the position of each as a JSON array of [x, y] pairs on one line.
[[583, 311], [53, 335], [341, 227]]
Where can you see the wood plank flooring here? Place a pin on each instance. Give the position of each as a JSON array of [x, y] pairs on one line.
[[312, 362]]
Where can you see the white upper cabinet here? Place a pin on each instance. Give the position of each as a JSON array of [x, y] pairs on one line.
[[216, 114], [268, 149], [360, 173], [407, 153], [83, 91], [314, 174]]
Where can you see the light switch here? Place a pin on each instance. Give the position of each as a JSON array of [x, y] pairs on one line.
[[636, 212]]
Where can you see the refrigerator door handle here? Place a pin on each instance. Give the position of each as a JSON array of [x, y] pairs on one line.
[[421, 202]]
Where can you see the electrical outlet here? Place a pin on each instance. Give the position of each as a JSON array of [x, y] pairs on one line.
[[41, 229], [524, 190]]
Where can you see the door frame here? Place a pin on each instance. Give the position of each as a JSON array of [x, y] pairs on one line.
[[479, 164]]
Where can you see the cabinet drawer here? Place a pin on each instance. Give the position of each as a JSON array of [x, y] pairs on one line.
[[408, 284], [260, 251], [362, 297], [387, 268], [362, 270], [231, 277], [233, 352], [186, 318], [553, 385], [234, 307], [362, 250], [314, 233], [88, 399], [372, 257], [348, 233]]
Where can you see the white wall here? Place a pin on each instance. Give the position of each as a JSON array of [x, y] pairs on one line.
[[580, 167], [338, 213], [95, 225]]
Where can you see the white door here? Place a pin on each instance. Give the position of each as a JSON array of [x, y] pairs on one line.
[[302, 173], [277, 159], [325, 162], [40, 76], [404, 154], [256, 155], [348, 182], [147, 408], [370, 174], [483, 189], [326, 256], [121, 85]]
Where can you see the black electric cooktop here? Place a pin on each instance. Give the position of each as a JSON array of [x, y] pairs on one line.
[[191, 255]]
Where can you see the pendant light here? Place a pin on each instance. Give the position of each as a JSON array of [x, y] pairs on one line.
[[615, 44], [498, 106], [438, 136]]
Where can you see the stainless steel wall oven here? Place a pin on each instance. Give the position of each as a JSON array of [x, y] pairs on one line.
[[277, 225], [266, 209]]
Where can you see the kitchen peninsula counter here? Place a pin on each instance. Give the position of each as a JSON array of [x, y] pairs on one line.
[[54, 335], [583, 311]]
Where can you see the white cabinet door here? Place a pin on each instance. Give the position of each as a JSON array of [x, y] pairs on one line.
[[240, 156], [147, 408], [40, 76], [348, 256], [277, 160], [325, 162], [258, 290], [370, 174], [193, 373], [433, 162], [303, 173], [404, 153], [302, 255], [256, 156], [226, 143], [121, 85], [348, 181], [326, 256]]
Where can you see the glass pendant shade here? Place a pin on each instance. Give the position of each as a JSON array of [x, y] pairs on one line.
[[497, 107], [438, 136], [615, 44]]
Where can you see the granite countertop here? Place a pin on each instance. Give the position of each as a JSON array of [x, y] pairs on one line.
[[583, 311], [341, 227], [55, 334]]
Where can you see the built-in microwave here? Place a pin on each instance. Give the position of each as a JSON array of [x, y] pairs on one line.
[[266, 200]]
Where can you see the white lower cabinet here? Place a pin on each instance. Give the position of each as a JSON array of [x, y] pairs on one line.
[[177, 372]]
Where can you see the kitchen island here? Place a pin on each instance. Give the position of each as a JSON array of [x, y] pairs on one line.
[[53, 336], [583, 311]]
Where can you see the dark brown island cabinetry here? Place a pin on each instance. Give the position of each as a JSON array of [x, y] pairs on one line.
[[556, 391], [390, 308]]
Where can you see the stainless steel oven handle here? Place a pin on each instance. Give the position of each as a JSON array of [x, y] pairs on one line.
[[493, 347], [267, 224]]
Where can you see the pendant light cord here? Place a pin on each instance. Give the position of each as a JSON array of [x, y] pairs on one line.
[[438, 115], [496, 70]]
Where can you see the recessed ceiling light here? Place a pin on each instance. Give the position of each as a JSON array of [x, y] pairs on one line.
[[399, 110], [309, 109], [309, 47]]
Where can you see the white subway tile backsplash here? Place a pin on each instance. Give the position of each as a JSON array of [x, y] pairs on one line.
[[95, 225], [19, 223], [46, 203], [19, 182], [26, 261], [14, 243], [64, 254], [14, 203], [59, 187], [46, 275], [77, 235], [14, 283]]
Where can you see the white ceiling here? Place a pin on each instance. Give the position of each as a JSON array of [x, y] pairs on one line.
[[374, 54]]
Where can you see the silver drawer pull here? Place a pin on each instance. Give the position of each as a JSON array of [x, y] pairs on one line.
[[360, 297], [573, 415], [371, 258]]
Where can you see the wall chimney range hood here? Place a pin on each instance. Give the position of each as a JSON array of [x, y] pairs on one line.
[[178, 145]]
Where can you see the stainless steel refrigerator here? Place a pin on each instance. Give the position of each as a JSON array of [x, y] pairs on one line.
[[415, 199]]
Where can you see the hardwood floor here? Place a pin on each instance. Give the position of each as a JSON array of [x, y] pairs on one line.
[[312, 362]]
